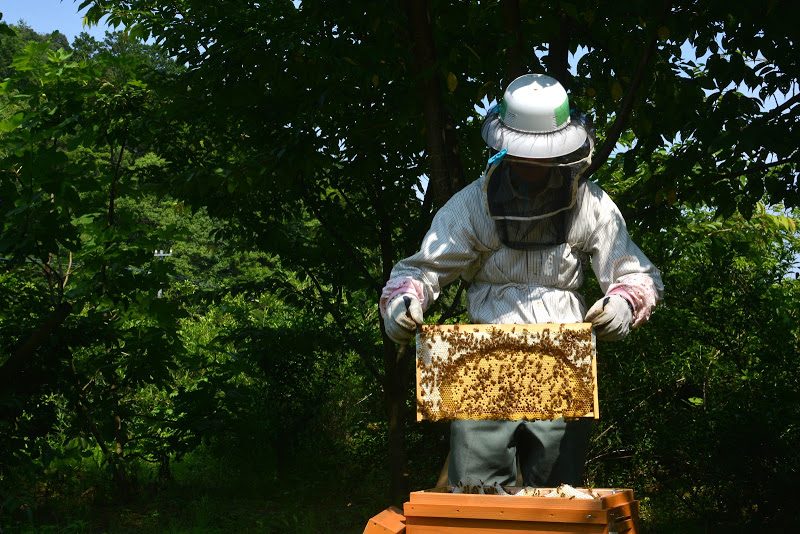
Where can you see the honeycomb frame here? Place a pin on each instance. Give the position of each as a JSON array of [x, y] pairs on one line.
[[506, 372]]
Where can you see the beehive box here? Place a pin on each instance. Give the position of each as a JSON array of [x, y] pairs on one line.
[[389, 521], [438, 511], [506, 372]]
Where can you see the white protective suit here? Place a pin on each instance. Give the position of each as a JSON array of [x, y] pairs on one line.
[[525, 286]]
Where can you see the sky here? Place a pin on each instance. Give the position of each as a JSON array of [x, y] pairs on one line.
[[46, 16]]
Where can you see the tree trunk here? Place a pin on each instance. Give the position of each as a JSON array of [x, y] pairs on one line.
[[557, 59], [393, 379], [445, 178], [394, 388], [114, 457], [10, 371], [515, 64], [446, 174], [122, 479]]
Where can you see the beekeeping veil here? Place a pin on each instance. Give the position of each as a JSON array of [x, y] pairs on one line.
[[541, 150]]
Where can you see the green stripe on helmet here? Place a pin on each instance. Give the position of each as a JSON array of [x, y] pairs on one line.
[[562, 113], [502, 110]]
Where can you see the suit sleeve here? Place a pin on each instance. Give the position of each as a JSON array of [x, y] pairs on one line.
[[620, 266], [448, 250]]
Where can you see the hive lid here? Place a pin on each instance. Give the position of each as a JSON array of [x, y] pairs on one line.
[[506, 372], [613, 506]]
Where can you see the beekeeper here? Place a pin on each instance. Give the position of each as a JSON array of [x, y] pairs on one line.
[[521, 235]]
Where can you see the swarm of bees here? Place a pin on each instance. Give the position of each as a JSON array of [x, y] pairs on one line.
[[505, 372], [564, 491], [480, 488]]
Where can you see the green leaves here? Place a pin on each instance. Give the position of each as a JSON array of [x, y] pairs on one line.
[[11, 123], [5, 29], [279, 158], [729, 292]]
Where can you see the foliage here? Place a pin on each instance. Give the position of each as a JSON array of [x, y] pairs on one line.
[[283, 156], [701, 405], [70, 159], [148, 356], [14, 38]]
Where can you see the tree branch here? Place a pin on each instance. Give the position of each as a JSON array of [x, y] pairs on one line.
[[341, 323], [776, 111], [452, 308], [84, 412], [754, 168], [358, 261], [112, 192], [66, 274], [9, 370]]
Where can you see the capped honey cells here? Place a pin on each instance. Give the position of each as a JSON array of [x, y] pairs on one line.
[[506, 372]]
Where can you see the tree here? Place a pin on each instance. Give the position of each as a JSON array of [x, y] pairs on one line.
[[14, 37], [327, 114], [290, 154], [701, 405], [71, 156], [107, 348]]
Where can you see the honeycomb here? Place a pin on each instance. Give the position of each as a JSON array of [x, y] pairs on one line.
[[506, 372]]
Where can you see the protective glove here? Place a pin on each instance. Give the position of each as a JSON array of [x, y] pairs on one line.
[[611, 317], [403, 314]]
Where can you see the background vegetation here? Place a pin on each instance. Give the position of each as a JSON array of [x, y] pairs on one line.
[[198, 213]]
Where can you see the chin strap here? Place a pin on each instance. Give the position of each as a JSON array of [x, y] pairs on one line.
[[494, 161], [496, 158]]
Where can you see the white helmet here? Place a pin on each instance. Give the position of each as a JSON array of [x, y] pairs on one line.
[[533, 120]]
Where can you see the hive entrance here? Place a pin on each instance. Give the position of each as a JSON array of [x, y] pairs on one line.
[[506, 372]]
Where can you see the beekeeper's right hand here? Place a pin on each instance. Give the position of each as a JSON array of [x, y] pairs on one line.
[[403, 314]]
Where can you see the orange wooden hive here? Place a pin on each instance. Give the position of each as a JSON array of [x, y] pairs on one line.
[[437, 511], [389, 521]]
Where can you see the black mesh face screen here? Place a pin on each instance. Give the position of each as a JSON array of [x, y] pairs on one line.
[[510, 196], [533, 235], [527, 218], [530, 200]]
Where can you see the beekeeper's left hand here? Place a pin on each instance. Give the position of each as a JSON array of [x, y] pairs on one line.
[[611, 317]]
